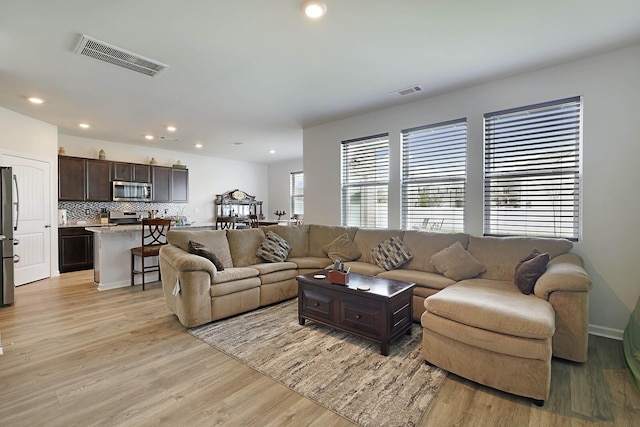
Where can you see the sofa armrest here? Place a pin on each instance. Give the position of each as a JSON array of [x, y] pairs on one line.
[[564, 273], [182, 260]]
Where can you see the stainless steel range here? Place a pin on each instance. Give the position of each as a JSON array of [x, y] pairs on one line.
[[127, 217]]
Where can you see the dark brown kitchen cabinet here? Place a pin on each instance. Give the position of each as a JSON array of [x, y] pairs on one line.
[[71, 178], [75, 247], [131, 172], [161, 180], [98, 180], [180, 185]]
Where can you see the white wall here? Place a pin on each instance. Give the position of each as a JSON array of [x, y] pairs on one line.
[[208, 176], [279, 186], [610, 86], [34, 139]]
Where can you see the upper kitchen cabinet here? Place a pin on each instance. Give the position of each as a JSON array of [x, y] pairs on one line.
[[98, 180], [130, 172], [161, 180], [71, 178], [180, 185]]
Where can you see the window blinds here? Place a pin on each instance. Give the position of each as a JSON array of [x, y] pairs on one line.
[[297, 193], [434, 177], [532, 170], [365, 182]]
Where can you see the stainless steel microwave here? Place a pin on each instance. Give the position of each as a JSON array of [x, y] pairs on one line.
[[131, 191]]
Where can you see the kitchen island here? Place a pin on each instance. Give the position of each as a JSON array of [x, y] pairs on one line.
[[112, 253]]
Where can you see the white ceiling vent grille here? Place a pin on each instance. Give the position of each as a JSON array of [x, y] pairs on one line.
[[407, 91], [106, 52]]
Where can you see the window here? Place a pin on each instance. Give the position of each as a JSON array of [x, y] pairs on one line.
[[365, 182], [434, 177], [297, 193], [532, 170]]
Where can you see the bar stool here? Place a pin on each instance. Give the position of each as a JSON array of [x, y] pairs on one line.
[[154, 236]]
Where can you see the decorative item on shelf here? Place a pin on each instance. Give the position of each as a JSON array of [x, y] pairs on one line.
[[102, 155], [279, 214], [179, 165], [153, 161], [61, 151]]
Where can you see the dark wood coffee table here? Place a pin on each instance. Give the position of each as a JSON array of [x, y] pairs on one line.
[[380, 314]]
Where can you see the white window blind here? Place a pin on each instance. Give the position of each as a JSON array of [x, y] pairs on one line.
[[365, 182], [532, 170], [434, 177], [297, 193]]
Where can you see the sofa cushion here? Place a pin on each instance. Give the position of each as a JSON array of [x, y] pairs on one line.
[[362, 268], [529, 269], [273, 248], [420, 278], [500, 255], [216, 240], [342, 248], [296, 235], [320, 235], [311, 262], [423, 245], [456, 263], [271, 267], [494, 305], [233, 274], [391, 253], [244, 244], [367, 239], [203, 251]]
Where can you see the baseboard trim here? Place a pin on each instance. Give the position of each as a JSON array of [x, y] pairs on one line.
[[603, 331]]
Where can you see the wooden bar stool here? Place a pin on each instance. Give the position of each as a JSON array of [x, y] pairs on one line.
[[154, 236]]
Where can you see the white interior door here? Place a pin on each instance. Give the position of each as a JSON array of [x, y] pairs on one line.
[[34, 218]]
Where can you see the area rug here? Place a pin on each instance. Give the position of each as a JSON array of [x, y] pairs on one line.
[[339, 371]]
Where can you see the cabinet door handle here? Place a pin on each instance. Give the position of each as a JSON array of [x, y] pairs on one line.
[[358, 316], [47, 226], [316, 304]]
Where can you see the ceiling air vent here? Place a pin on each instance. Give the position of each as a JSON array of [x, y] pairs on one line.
[[407, 91], [106, 52]]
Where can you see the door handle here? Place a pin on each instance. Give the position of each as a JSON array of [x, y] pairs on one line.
[[16, 259], [47, 226]]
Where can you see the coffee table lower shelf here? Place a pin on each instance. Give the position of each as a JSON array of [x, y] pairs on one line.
[[381, 314]]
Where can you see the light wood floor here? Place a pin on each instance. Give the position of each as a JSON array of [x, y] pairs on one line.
[[76, 356]]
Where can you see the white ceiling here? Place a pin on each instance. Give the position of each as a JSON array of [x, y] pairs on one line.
[[258, 71]]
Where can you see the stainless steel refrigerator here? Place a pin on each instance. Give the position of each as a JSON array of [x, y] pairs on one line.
[[7, 227]]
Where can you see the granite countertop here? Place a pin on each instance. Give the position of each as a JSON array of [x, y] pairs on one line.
[[83, 224], [106, 228]]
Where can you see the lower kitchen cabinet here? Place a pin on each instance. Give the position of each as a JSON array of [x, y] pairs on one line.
[[75, 249]]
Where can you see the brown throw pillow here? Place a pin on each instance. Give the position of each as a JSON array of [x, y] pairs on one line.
[[456, 263], [203, 251], [529, 270], [342, 247]]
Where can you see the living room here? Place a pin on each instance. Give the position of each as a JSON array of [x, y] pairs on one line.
[[607, 81]]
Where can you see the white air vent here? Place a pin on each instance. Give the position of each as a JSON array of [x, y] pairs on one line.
[[106, 52], [407, 91]]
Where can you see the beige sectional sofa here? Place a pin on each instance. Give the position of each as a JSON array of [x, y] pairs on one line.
[[468, 324]]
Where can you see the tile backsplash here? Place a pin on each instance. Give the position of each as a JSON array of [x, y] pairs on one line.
[[78, 210]]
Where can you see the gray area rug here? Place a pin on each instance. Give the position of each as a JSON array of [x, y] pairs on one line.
[[341, 372]]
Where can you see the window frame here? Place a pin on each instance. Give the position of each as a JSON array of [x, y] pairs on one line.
[[372, 153], [292, 192], [437, 160], [539, 145]]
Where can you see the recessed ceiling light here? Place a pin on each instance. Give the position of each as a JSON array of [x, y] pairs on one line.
[[198, 145], [314, 9], [35, 100], [272, 151], [172, 128], [84, 125], [149, 137]]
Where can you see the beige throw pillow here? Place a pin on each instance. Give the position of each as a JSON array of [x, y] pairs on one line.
[[456, 263], [342, 247]]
